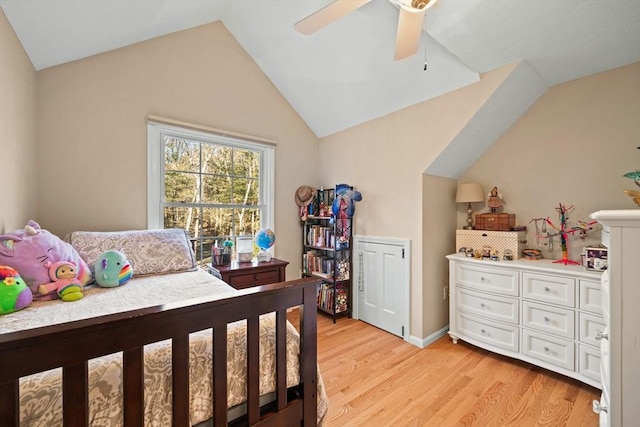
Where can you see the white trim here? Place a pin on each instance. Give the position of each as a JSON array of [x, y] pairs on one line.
[[209, 130], [154, 181], [423, 342], [406, 246], [155, 165]]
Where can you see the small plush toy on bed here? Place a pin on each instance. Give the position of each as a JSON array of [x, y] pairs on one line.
[[14, 292], [113, 269], [65, 281]]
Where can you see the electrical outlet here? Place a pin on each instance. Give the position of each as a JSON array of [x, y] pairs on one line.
[[445, 292]]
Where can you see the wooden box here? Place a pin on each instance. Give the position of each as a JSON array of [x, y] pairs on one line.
[[495, 221]]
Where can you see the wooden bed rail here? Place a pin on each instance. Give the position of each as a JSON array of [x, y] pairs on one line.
[[71, 345]]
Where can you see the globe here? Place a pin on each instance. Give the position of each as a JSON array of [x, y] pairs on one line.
[[265, 238]]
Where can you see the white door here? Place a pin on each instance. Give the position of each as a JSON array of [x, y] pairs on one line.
[[382, 288]]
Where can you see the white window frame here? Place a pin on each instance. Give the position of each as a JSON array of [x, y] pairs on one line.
[[155, 169]]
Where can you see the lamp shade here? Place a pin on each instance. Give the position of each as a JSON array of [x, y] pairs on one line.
[[469, 193]]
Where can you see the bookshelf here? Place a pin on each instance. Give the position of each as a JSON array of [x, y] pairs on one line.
[[327, 253]]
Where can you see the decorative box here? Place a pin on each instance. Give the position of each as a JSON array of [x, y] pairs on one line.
[[495, 221], [496, 240]]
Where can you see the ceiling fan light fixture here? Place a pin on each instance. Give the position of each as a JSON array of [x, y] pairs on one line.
[[416, 5]]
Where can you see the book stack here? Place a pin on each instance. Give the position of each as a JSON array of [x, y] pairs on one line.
[[327, 297]]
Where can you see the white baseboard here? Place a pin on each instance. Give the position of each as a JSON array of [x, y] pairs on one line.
[[423, 342]]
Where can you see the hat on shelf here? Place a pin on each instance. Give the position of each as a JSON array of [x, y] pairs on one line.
[[304, 195]]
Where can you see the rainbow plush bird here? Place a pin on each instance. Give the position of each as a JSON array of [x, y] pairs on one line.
[[113, 269]]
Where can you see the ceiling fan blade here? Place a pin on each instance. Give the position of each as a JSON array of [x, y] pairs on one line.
[[327, 15], [408, 35]]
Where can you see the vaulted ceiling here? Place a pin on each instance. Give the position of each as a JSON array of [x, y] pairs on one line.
[[345, 74]]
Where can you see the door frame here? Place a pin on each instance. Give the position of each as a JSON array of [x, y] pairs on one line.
[[406, 246]]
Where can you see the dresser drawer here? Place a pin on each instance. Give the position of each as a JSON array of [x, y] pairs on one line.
[[590, 296], [546, 318], [491, 306], [492, 333], [497, 280], [546, 288], [589, 362], [240, 281], [548, 349], [590, 325]]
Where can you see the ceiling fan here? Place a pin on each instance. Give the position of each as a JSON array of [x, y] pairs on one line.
[[410, 21]]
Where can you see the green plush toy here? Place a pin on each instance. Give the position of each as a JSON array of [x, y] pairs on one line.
[[14, 292], [112, 269]]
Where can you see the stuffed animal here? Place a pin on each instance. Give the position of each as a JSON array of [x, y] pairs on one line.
[[65, 281], [344, 205], [113, 269], [14, 292], [28, 249]]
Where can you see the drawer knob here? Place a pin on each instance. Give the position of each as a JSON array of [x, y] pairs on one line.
[[601, 335], [546, 289], [546, 319], [482, 330], [482, 279], [597, 407], [547, 349], [482, 305]]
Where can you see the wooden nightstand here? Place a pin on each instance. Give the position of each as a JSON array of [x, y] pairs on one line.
[[242, 275]]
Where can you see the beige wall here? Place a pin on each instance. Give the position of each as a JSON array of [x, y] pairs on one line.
[[92, 128], [438, 221], [572, 146], [18, 177], [385, 159]]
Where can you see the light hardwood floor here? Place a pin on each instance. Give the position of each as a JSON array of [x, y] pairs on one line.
[[374, 378]]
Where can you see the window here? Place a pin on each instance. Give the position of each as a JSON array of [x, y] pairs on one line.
[[215, 186]]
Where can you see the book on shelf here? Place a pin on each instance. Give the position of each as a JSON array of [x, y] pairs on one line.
[[331, 297]]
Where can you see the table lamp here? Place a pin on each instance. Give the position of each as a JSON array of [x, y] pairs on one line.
[[469, 193]]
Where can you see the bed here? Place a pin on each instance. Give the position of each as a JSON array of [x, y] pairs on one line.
[[160, 350]]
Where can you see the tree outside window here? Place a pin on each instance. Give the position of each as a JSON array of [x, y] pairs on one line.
[[210, 188]]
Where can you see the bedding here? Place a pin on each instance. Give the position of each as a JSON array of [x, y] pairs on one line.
[[41, 394], [149, 251]]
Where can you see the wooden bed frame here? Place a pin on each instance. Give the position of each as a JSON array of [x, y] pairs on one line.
[[71, 345]]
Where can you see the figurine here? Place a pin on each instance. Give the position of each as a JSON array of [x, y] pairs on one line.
[[494, 200]]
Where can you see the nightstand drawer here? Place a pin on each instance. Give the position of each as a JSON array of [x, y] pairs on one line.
[[492, 306], [548, 349], [247, 280], [497, 280], [546, 288], [499, 335], [546, 318]]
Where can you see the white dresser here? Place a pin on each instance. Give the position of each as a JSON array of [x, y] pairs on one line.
[[619, 405], [544, 313]]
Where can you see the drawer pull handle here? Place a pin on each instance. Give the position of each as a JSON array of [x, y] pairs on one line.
[[597, 407], [601, 335]]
